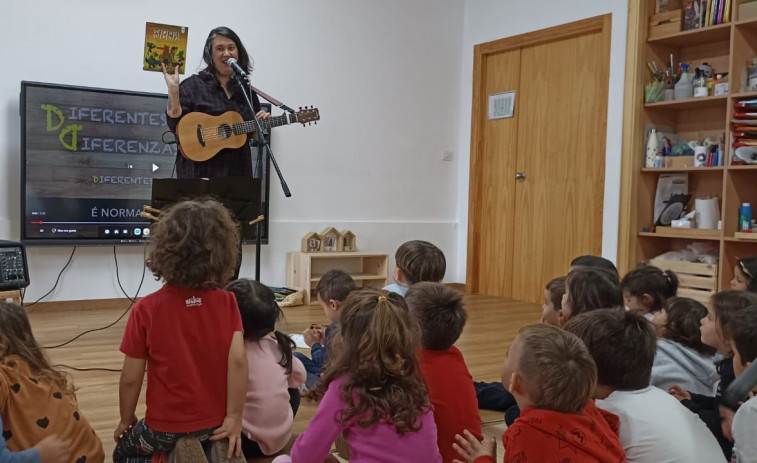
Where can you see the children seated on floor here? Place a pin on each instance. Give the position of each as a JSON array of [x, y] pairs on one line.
[[274, 374], [493, 396], [587, 289], [332, 289], [39, 410], [372, 390], [682, 358], [654, 427], [723, 306], [440, 315], [417, 261], [742, 336], [188, 338], [744, 273], [646, 288], [589, 261], [552, 376]]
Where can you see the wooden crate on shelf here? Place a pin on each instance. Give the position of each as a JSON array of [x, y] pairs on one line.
[[696, 281], [304, 269], [665, 23]]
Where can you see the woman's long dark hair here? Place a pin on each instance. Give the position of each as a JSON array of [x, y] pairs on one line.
[[207, 53], [259, 311]]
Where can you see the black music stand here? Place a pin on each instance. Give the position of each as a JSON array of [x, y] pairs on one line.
[[240, 195]]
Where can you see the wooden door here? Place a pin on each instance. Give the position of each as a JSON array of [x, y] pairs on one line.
[[524, 232]]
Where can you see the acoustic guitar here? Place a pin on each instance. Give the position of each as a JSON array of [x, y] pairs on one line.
[[201, 136]]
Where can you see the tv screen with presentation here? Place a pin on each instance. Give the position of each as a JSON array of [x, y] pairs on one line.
[[89, 157]]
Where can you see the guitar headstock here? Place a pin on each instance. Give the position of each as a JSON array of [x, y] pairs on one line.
[[307, 115]]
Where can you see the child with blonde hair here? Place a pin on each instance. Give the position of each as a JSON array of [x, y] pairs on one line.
[[552, 376], [39, 412], [372, 390], [188, 336]]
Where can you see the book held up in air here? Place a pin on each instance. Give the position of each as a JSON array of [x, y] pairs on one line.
[[165, 44]]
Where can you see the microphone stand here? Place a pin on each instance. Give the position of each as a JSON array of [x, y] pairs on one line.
[[261, 136]]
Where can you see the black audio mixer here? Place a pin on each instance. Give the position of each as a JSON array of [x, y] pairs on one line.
[[14, 272]]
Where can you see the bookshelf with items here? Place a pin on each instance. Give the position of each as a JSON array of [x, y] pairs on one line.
[[728, 48]]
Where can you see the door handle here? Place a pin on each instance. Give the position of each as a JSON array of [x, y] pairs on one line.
[[520, 176]]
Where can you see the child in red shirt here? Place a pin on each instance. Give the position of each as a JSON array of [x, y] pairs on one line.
[[439, 312], [189, 336], [552, 377]]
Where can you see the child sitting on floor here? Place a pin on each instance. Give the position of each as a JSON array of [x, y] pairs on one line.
[[722, 308], [587, 289], [646, 288], [274, 374], [38, 406], [552, 376], [417, 261], [653, 426], [682, 358], [493, 396], [332, 289], [188, 336], [372, 390], [439, 312], [744, 273], [742, 336]]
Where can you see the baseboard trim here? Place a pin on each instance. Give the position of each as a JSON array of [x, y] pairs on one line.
[[78, 306]]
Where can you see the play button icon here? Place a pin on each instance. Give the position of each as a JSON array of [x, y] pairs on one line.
[[154, 167]]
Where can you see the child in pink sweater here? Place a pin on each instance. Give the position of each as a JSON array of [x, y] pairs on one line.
[[372, 390], [274, 374]]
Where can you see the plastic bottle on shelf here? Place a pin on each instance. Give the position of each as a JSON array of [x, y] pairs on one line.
[[684, 88], [652, 155], [745, 217], [700, 84]]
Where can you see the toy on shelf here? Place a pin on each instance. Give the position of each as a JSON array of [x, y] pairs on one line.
[[329, 240]]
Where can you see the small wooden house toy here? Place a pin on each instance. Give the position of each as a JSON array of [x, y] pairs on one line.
[[332, 240], [349, 242], [312, 242]]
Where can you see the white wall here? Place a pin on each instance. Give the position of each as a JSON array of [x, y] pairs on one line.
[[487, 20], [385, 75]]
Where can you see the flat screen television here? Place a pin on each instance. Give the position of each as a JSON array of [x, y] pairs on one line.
[[88, 159]]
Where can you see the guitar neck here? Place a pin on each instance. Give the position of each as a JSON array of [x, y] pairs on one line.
[[265, 124]]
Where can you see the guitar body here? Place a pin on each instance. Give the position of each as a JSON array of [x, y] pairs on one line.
[[202, 136]]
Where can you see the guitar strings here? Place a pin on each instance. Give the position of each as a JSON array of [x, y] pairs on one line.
[[213, 133]]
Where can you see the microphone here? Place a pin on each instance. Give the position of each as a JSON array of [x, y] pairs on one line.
[[236, 67], [740, 388]]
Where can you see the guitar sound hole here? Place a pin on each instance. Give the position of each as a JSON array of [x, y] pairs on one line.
[[224, 131]]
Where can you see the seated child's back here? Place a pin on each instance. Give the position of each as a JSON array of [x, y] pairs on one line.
[[274, 374], [682, 358], [552, 377], [417, 261], [372, 391], [36, 401], [653, 425], [439, 312]]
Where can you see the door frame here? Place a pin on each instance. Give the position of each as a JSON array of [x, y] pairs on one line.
[[481, 52]]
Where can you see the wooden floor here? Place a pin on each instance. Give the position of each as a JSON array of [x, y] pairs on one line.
[[492, 325]]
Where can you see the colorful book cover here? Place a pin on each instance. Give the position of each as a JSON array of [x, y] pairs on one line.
[[165, 44]]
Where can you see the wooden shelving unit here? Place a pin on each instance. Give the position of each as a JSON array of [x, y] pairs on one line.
[[304, 269], [727, 48]]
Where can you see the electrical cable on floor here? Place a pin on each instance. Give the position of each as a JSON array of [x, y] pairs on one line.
[[54, 286], [63, 365], [131, 299]]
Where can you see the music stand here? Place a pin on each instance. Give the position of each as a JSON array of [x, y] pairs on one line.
[[240, 195]]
